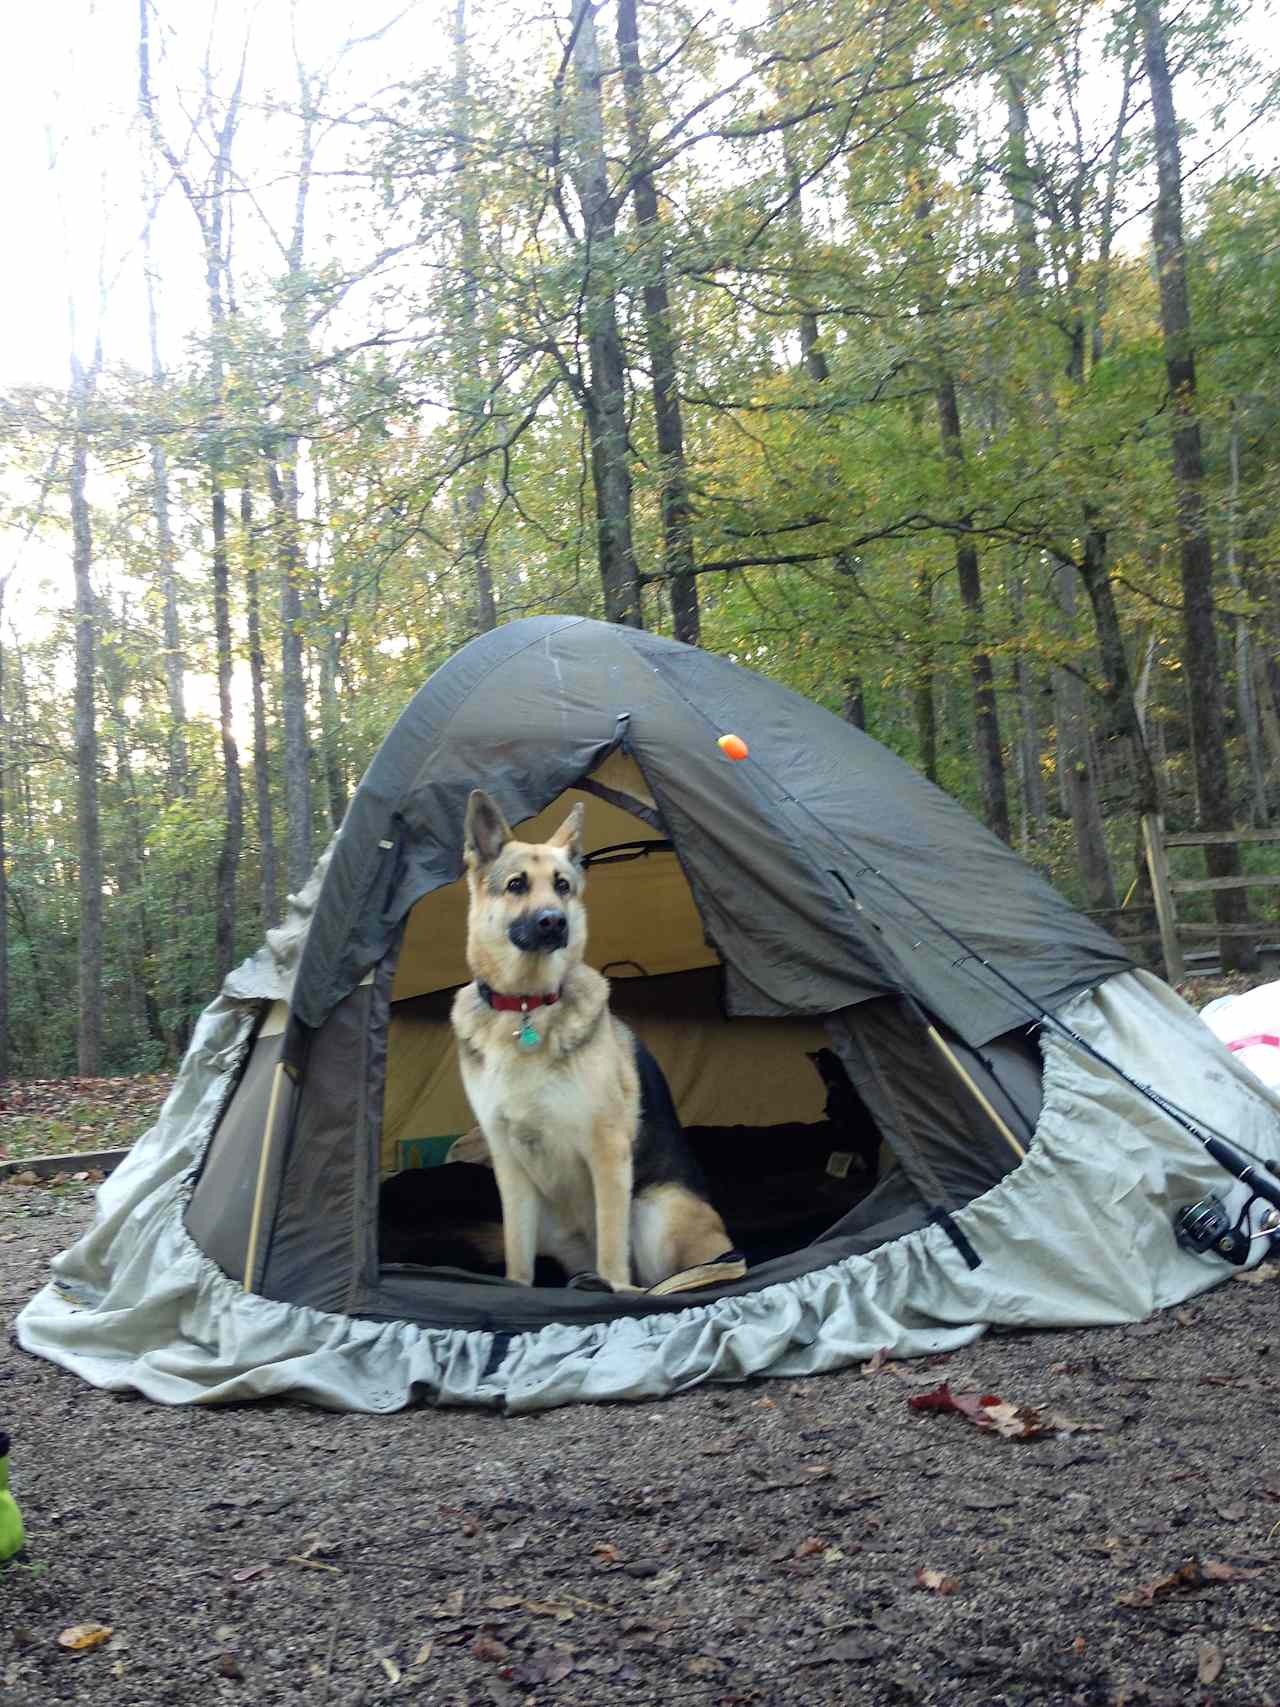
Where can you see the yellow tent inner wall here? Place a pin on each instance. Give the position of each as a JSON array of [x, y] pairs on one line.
[[642, 925]]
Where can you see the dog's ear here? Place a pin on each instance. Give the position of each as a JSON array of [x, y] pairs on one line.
[[569, 835], [487, 831]]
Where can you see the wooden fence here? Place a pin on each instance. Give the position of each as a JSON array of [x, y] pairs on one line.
[[1165, 888]]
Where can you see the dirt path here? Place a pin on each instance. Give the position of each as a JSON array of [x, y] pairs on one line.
[[729, 1547]]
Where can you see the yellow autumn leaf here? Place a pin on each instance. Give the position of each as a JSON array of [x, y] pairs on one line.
[[77, 1637]]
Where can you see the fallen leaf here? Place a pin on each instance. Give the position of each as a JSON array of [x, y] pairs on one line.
[[486, 1648], [1217, 1573], [452, 1604], [1014, 1422], [1189, 1577], [666, 1579], [606, 1555], [313, 1564], [391, 1668], [76, 1638], [936, 1581], [423, 1654], [247, 1573], [549, 1665], [1210, 1666], [1256, 1276], [810, 1544], [876, 1362], [989, 1411], [551, 1609], [504, 1602], [765, 1404]]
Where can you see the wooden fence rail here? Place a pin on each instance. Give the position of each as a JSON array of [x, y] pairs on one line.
[[1164, 887]]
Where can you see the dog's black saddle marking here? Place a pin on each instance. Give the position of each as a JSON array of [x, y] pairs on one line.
[[663, 1155]]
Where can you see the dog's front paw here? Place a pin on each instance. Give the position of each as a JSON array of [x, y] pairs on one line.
[[589, 1281]]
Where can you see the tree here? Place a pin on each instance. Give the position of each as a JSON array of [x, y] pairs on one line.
[[1195, 546], [89, 1043], [604, 397], [677, 535]]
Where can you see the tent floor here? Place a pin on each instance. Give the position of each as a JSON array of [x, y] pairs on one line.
[[778, 1188]]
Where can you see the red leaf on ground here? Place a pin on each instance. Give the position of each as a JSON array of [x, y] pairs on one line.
[[989, 1411]]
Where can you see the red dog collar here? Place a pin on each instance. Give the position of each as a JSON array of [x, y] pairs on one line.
[[515, 1004]]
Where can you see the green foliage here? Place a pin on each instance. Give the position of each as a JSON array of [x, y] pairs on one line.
[[849, 223]]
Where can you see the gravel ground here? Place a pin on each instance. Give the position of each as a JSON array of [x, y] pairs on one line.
[[750, 1545]]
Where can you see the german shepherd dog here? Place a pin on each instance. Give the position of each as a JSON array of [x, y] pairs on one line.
[[591, 1165]]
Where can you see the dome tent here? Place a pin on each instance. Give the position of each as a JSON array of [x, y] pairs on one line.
[[820, 900]]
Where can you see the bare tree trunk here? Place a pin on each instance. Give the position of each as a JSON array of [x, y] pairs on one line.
[[988, 749], [1246, 701], [1033, 800], [174, 660], [89, 1041], [131, 856], [208, 204], [233, 790], [606, 395], [1199, 619], [924, 702], [470, 387], [677, 532], [270, 886], [330, 652], [293, 680], [1075, 764]]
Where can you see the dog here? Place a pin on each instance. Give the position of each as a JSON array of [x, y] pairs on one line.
[[591, 1164]]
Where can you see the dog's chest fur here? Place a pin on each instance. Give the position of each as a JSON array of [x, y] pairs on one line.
[[544, 1104]]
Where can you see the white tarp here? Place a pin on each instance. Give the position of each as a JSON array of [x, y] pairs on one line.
[[1081, 1232], [1249, 1025]]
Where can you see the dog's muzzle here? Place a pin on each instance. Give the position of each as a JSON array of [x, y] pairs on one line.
[[541, 932]]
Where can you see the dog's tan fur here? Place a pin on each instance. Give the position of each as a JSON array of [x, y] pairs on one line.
[[560, 1119]]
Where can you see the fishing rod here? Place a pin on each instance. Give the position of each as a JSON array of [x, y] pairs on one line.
[[1201, 1226]]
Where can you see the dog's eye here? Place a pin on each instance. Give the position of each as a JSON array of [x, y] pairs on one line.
[[517, 885], [562, 885]]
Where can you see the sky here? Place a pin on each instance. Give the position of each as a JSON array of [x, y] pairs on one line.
[[71, 140]]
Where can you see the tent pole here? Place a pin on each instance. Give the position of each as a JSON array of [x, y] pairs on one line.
[[260, 1190], [975, 1090]]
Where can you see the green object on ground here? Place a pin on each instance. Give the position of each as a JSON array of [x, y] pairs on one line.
[[11, 1532]]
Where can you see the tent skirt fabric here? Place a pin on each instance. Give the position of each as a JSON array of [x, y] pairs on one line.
[[1080, 1233]]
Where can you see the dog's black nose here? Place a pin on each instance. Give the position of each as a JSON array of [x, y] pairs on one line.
[[540, 932], [551, 926]]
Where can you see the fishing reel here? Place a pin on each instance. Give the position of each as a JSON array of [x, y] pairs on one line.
[[1206, 1226]]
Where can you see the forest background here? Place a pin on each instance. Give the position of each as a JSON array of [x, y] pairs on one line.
[[920, 356]]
